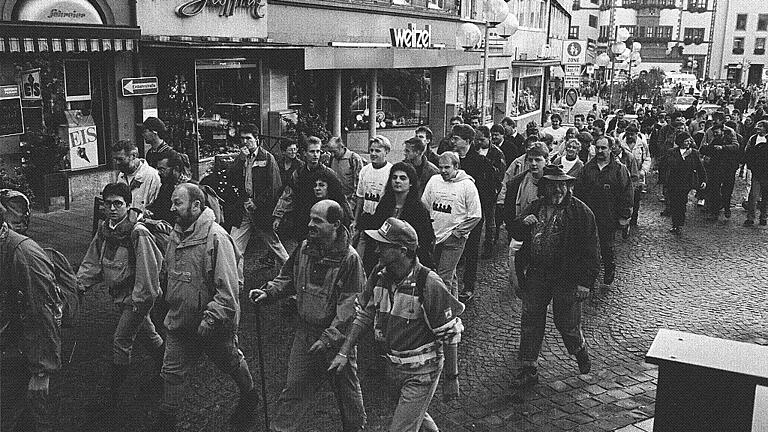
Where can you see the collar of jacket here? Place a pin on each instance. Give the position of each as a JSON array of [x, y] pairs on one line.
[[4, 231], [198, 231], [122, 230], [141, 171], [387, 281], [334, 253]]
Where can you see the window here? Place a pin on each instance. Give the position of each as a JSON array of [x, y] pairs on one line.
[[630, 29], [436, 4], [573, 32], [528, 95], [700, 5], [762, 22], [594, 1], [402, 98], [760, 45], [694, 35], [738, 45], [741, 22], [605, 33], [593, 21], [77, 80]]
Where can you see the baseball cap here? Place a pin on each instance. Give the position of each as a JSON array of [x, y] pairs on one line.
[[396, 231], [154, 124]]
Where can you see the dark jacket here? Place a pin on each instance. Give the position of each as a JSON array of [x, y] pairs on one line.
[[496, 156], [607, 192], [266, 188], [432, 156], [513, 147], [286, 174], [757, 158], [722, 160], [28, 299], [579, 262], [481, 169], [425, 171], [684, 174], [513, 188], [299, 200]]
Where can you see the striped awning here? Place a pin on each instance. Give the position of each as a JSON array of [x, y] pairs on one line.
[[26, 37]]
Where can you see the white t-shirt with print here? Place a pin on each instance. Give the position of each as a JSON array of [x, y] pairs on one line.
[[371, 185]]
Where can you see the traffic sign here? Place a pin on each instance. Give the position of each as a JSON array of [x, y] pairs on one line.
[[139, 86], [571, 96], [574, 52]]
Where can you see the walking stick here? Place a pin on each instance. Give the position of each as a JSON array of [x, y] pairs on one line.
[[261, 366]]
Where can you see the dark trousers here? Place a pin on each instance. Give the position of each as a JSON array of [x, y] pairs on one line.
[[720, 189], [758, 192], [636, 204], [607, 235], [19, 413], [470, 255], [489, 220], [566, 313], [678, 198]]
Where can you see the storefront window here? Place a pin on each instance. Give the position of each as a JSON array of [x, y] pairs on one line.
[[228, 94], [469, 88], [402, 100], [528, 94]]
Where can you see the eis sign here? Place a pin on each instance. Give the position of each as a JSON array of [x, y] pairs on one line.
[[411, 38]]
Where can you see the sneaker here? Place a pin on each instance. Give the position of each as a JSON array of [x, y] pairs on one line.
[[749, 223], [466, 296], [763, 222], [245, 411], [700, 203], [582, 358], [676, 230], [526, 378]]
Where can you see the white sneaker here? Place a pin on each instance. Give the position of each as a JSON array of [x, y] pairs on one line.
[[700, 203]]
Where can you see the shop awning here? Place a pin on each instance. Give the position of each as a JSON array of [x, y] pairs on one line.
[[536, 63], [386, 58], [33, 37]]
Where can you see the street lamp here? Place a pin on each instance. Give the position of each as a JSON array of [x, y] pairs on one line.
[[617, 48]]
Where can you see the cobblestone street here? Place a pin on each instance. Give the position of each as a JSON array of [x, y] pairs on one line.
[[711, 280]]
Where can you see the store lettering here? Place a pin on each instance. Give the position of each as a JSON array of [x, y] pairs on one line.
[[226, 8], [56, 13], [81, 136], [411, 38]]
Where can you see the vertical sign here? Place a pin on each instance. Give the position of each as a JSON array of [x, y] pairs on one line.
[[11, 119], [30, 85]]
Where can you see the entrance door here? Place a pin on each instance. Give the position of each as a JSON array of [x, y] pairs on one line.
[[755, 74]]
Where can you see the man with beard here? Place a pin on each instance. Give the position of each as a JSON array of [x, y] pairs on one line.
[[142, 180], [200, 278], [605, 186], [409, 305], [326, 274], [172, 172], [554, 258]]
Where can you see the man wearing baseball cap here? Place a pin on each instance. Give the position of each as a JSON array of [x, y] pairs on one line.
[[418, 317], [554, 258], [153, 131]]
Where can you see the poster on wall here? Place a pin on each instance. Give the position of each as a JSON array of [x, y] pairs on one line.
[[30, 85], [82, 139], [11, 120]]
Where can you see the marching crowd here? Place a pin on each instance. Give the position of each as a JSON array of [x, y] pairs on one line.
[[379, 245]]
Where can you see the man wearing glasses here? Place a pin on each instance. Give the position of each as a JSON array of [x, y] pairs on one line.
[[256, 176]]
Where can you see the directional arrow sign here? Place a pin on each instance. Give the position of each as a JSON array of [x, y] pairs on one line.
[[139, 86]]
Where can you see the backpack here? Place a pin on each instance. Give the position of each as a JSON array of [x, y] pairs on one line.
[[214, 202], [67, 287]]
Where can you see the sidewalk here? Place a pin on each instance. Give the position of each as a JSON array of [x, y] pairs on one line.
[[68, 231]]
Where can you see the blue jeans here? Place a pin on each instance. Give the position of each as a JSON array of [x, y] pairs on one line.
[[537, 293], [416, 392], [447, 255], [306, 373], [128, 327]]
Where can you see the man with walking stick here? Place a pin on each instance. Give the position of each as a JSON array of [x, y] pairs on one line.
[[326, 275]]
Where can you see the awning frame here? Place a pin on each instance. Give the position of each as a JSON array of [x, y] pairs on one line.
[[23, 36]]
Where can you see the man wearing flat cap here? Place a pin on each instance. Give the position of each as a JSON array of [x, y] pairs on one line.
[[153, 131], [554, 257], [419, 319]]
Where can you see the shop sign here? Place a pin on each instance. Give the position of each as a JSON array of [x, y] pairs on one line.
[[225, 8], [139, 86], [411, 38], [574, 52], [502, 74], [62, 11], [83, 140], [11, 120], [30, 85]]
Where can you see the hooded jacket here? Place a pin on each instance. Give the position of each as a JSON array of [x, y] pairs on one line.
[[201, 275], [144, 186], [127, 260], [326, 283], [454, 205]]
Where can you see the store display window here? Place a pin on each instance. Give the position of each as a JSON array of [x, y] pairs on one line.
[[402, 99]]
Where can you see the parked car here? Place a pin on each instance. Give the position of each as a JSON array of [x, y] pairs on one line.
[[682, 103]]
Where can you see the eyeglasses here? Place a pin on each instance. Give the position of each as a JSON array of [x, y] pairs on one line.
[[116, 204]]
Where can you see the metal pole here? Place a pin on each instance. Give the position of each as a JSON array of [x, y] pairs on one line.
[[373, 99], [262, 372], [485, 74], [613, 68], [337, 105]]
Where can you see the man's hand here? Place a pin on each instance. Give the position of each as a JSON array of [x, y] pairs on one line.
[[623, 221], [338, 363], [703, 185], [257, 295], [276, 224], [530, 220], [582, 293], [249, 205], [205, 328], [318, 347], [38, 386]]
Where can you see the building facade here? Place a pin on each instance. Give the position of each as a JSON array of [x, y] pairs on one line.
[[739, 54]]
